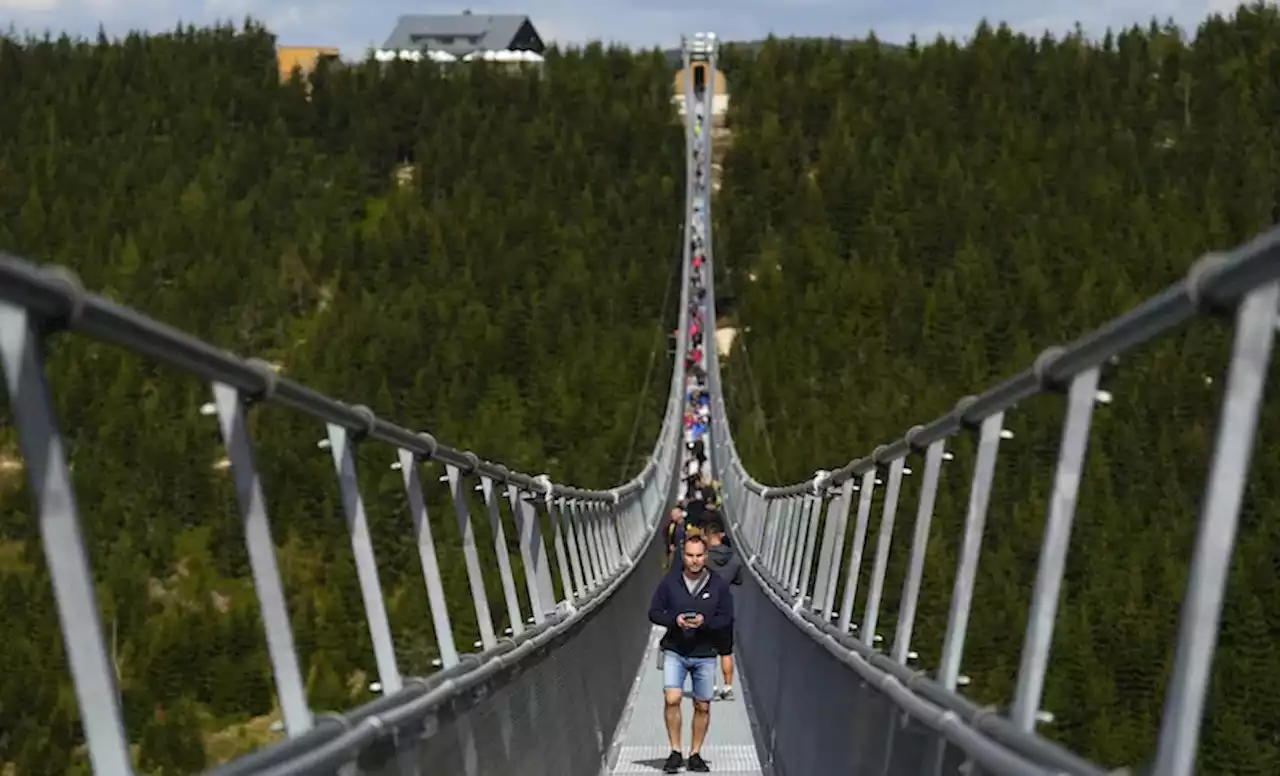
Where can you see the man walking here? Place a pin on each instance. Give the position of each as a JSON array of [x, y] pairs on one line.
[[678, 529], [693, 604], [699, 496], [675, 532], [724, 561]]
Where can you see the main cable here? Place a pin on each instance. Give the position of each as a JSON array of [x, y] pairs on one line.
[[653, 353]]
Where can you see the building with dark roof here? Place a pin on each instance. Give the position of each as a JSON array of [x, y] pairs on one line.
[[465, 33]]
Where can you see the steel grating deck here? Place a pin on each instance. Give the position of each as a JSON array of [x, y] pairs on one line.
[[641, 745]]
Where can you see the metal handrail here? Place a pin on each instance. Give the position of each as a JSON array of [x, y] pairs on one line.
[[778, 525], [1213, 285], [57, 296], [597, 535]]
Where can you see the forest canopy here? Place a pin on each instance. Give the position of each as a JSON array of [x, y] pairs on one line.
[[901, 226], [484, 253], [481, 252]]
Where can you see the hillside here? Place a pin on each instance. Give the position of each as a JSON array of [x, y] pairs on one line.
[[499, 301], [900, 231]]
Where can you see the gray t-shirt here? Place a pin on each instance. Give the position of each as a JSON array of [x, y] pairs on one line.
[[695, 585]]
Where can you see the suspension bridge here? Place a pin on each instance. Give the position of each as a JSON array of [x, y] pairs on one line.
[[571, 687]]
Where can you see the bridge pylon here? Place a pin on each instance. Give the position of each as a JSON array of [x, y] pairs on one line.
[[700, 46]]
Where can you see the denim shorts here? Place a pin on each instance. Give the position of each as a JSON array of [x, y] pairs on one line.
[[676, 667]]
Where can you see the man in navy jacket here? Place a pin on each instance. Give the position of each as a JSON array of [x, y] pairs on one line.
[[694, 605]]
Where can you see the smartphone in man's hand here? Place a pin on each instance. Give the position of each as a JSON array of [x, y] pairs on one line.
[[689, 620]]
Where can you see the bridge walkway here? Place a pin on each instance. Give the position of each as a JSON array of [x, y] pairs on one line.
[[641, 744]]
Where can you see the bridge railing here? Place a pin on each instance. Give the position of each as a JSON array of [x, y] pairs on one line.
[[596, 535], [893, 719]]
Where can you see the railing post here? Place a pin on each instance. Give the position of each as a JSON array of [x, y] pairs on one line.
[[747, 516], [553, 507], [1215, 538], [537, 549], [754, 505], [782, 527], [630, 515], [410, 471], [632, 520], [616, 515], [272, 603], [595, 521], [825, 551], [883, 544], [984, 470], [384, 652], [1054, 547], [643, 500], [65, 553], [600, 515], [773, 509], [790, 512], [609, 536], [839, 532], [471, 556], [600, 549], [865, 493], [763, 525], [783, 515], [585, 530], [812, 518], [919, 544], [618, 543], [795, 537], [530, 530], [578, 535], [504, 559]]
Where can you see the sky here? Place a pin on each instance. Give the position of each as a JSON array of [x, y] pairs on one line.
[[355, 25]]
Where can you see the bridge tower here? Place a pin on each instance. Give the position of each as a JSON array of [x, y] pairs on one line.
[[699, 72]]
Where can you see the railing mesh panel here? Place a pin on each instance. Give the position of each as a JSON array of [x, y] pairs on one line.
[[555, 717]]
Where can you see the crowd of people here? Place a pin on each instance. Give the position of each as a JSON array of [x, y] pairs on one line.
[[694, 601], [698, 493]]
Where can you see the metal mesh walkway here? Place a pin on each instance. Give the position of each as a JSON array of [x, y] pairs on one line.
[[641, 745]]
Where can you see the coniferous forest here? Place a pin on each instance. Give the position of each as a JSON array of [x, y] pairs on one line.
[[479, 253], [485, 254], [901, 226]]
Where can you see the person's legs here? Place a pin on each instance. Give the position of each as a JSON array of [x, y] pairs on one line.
[[674, 670], [724, 652], [726, 663], [703, 670]]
